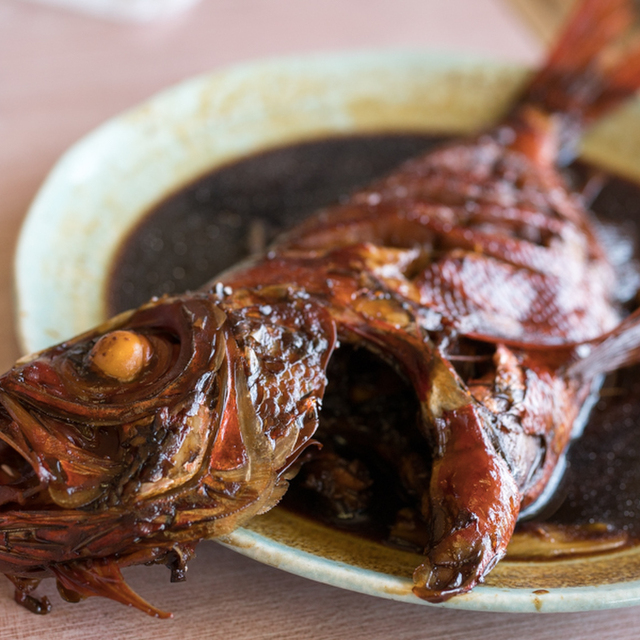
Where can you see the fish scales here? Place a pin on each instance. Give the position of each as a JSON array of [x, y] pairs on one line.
[[183, 419]]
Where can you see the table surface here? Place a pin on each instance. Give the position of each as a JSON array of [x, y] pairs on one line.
[[61, 74]]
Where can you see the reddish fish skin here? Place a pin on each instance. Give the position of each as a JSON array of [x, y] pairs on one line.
[[497, 438], [475, 252]]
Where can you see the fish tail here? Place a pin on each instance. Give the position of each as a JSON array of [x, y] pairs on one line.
[[591, 69], [594, 67]]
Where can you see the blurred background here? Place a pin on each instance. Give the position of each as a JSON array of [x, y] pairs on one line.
[[67, 65]]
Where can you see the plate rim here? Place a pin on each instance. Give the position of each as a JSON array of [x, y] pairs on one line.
[[244, 540]]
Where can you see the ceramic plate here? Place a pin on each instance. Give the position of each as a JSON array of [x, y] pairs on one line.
[[102, 186]]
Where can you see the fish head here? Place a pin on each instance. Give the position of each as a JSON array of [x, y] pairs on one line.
[[174, 422], [116, 415]]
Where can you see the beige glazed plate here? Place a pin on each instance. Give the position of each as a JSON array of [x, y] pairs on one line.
[[101, 187]]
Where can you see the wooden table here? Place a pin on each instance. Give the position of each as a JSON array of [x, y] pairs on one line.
[[61, 74]]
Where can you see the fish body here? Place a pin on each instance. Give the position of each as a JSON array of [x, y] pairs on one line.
[[473, 271]]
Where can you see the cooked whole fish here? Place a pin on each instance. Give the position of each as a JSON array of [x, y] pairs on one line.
[[183, 419]]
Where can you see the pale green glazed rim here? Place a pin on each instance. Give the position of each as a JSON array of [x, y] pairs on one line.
[[101, 187]]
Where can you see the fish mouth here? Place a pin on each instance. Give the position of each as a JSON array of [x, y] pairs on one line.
[[20, 482], [39, 539], [43, 461]]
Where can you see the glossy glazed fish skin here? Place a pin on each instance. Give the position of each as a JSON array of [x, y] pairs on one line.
[[140, 472], [392, 265], [472, 270]]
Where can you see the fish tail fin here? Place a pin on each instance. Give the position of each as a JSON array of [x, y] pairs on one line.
[[594, 67], [615, 350]]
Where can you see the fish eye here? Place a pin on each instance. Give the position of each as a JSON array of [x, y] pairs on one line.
[[121, 355]]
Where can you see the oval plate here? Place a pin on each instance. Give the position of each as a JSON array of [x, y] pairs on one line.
[[103, 185]]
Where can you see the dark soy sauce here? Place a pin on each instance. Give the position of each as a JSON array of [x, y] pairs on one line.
[[238, 209]]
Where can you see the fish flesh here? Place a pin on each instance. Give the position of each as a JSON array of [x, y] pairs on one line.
[[474, 271]]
